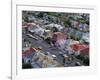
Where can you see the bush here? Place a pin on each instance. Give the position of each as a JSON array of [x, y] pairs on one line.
[[80, 57], [72, 37], [54, 29], [48, 40], [86, 61], [67, 23]]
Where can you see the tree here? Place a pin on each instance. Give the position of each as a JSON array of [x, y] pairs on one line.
[[86, 61], [54, 29], [48, 40], [67, 23]]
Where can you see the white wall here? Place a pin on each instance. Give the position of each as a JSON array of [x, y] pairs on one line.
[[5, 37]]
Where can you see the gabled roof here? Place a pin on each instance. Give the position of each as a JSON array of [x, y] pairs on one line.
[[28, 51], [78, 47], [28, 25], [59, 35]]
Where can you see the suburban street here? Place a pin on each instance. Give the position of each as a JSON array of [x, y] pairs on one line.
[[55, 40]]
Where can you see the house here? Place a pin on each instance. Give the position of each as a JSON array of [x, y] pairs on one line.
[[52, 25], [74, 23], [83, 26], [59, 39], [31, 18], [27, 26], [80, 49], [31, 27], [73, 42], [85, 37], [85, 52], [28, 53], [79, 34], [36, 29]]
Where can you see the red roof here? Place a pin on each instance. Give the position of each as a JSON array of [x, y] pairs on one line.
[[59, 36], [78, 47], [85, 51], [28, 52], [28, 25]]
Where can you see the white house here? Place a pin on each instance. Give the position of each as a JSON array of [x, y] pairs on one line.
[[36, 29], [59, 27]]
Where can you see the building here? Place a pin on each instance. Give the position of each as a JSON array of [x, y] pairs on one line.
[[85, 37], [28, 53], [35, 28], [85, 52], [80, 49], [52, 25], [84, 27], [59, 39]]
